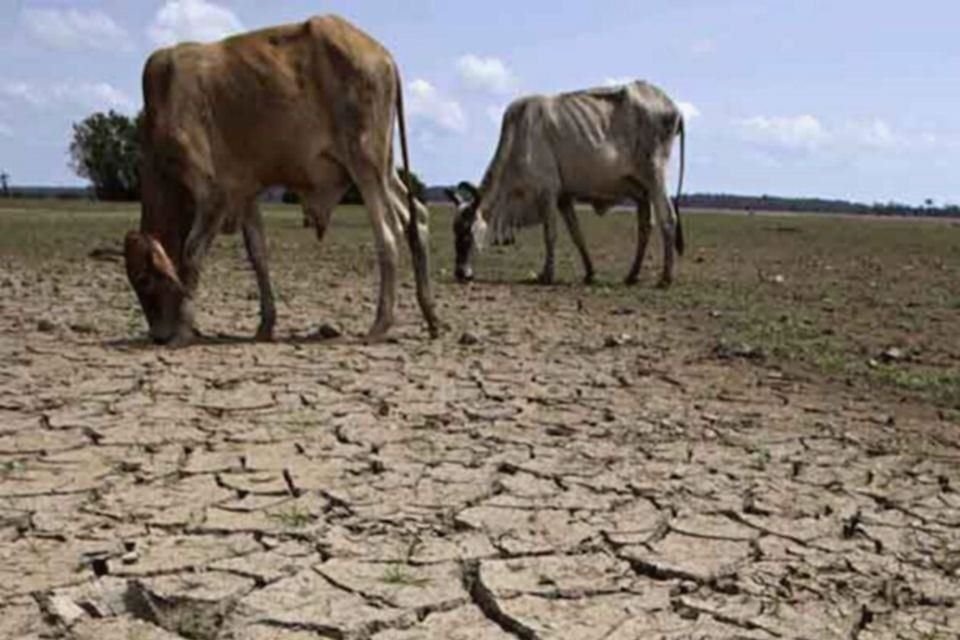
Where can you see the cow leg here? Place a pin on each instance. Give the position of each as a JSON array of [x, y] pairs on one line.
[[256, 245], [549, 209], [643, 238], [569, 213], [373, 189], [418, 237], [208, 216], [667, 220]]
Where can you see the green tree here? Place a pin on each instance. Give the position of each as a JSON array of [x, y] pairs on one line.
[[106, 150]]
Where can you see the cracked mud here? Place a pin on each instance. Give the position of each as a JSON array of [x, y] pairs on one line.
[[538, 481]]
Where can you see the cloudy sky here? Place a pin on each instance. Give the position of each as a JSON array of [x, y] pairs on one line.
[[856, 99]]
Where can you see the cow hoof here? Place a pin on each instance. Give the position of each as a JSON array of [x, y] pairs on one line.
[[631, 280], [182, 339], [264, 335], [375, 336], [664, 283], [589, 279], [544, 278]]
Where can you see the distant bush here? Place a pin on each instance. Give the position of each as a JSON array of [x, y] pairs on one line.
[[106, 150]]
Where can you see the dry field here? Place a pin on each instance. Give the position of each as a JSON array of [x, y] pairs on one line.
[[771, 449]]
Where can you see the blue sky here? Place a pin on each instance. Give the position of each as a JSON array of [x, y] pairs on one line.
[[855, 99]]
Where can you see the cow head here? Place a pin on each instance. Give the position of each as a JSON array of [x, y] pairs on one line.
[[158, 287], [468, 228]]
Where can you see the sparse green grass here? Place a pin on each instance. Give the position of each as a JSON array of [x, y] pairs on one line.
[[9, 468], [822, 300], [941, 386], [399, 575], [293, 517]]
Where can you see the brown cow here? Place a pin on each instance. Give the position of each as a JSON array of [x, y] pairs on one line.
[[309, 106]]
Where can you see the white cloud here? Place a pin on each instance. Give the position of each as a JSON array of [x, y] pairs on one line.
[[5, 131], [689, 110], [194, 20], [803, 132], [617, 82], [488, 74], [96, 95], [25, 92], [90, 95], [806, 132], [428, 103], [73, 29], [873, 133]]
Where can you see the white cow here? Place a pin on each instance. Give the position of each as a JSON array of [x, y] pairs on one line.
[[599, 145]]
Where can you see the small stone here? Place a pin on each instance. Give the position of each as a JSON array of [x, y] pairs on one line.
[[617, 341], [108, 253], [726, 351], [45, 326], [469, 338], [131, 557], [328, 331], [269, 543], [893, 354], [82, 327], [64, 609]]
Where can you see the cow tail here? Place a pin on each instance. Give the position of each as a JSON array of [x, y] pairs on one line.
[[419, 250], [407, 178], [680, 245]]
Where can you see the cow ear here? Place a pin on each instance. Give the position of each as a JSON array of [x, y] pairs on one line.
[[160, 262], [453, 196], [469, 188]]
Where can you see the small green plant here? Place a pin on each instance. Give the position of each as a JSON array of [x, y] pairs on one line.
[[396, 574], [11, 467], [761, 458], [295, 517]]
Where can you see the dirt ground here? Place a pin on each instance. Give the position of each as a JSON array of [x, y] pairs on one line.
[[565, 462]]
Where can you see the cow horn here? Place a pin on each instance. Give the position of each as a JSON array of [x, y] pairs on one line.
[[160, 261]]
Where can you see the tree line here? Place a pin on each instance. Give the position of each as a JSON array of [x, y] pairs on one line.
[[812, 205]]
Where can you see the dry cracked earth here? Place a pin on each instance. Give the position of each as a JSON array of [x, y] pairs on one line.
[[563, 470]]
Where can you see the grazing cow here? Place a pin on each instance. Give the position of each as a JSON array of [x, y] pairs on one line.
[[599, 145], [309, 106]]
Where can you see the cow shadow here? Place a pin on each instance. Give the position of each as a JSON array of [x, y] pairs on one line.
[[144, 343], [527, 282]]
